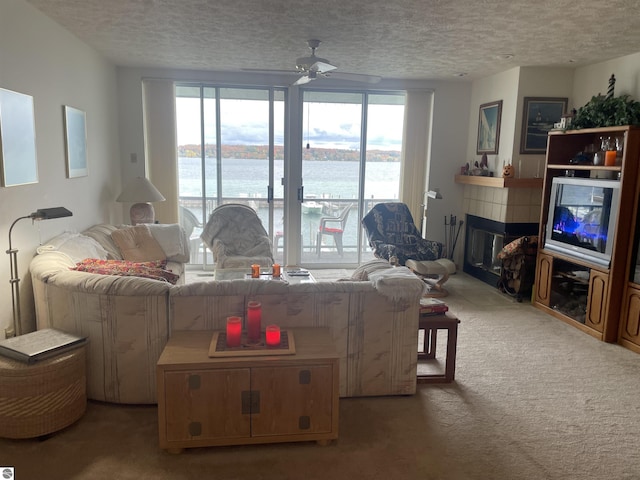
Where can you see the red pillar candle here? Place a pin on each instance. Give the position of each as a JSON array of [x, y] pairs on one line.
[[272, 334], [276, 270], [254, 317], [255, 271], [234, 331]]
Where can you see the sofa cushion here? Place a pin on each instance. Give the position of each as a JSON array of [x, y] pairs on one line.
[[154, 270], [76, 246], [102, 234], [363, 271], [173, 240], [138, 244]]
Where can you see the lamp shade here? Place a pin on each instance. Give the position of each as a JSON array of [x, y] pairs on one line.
[[140, 189]]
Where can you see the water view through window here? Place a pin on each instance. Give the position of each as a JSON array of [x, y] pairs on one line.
[[231, 150]]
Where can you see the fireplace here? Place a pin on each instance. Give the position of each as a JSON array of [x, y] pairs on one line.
[[484, 239]]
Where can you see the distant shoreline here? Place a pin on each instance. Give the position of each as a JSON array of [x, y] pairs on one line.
[[262, 152]]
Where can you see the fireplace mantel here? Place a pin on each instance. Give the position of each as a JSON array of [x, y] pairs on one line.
[[499, 182]]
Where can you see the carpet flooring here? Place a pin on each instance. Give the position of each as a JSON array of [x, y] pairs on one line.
[[533, 398]]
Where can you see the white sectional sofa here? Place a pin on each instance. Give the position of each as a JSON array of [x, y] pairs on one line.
[[128, 319]]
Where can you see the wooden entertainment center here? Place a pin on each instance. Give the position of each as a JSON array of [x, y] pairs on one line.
[[600, 299]]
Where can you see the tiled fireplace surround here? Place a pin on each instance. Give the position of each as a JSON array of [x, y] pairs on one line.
[[494, 216]]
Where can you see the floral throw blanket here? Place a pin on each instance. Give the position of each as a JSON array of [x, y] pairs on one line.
[[155, 270]]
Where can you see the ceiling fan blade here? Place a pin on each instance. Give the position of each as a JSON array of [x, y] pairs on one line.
[[322, 67], [354, 77], [263, 70], [302, 80]]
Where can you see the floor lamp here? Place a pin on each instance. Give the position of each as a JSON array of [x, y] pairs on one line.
[[436, 195], [40, 214]]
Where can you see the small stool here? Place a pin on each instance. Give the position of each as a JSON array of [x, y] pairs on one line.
[[431, 324], [43, 397]]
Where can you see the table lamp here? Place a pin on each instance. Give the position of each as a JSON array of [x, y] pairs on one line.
[[141, 192], [40, 214]]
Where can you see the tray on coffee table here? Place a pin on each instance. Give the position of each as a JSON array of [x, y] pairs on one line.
[[218, 346]]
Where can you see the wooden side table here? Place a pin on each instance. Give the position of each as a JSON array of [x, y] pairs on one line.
[[43, 397], [431, 324]]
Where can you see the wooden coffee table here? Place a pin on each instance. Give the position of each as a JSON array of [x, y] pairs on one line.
[[210, 401], [431, 324]]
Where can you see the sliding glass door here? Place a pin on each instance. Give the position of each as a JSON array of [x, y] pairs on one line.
[[230, 150], [233, 148], [350, 161]]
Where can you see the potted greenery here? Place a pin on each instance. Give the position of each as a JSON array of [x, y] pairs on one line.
[[607, 111]]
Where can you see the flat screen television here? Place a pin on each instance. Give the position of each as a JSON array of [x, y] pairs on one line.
[[582, 218]]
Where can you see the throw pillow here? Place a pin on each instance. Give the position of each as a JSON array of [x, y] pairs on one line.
[[102, 234], [362, 272], [154, 270], [138, 244]]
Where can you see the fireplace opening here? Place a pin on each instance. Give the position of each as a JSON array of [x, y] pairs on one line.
[[484, 239]]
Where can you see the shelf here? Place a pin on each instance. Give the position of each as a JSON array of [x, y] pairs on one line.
[[499, 182], [598, 131], [557, 166]]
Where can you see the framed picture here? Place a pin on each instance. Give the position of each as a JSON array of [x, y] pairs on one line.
[[75, 137], [17, 139], [538, 116], [489, 127]]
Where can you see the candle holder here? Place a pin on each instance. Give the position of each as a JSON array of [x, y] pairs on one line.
[[276, 270], [254, 319], [255, 271], [272, 335]]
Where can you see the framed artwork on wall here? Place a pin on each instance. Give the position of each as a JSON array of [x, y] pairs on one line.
[[538, 116], [75, 137], [489, 127], [17, 139]]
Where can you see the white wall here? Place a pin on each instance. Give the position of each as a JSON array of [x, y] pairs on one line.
[[41, 59], [450, 113], [594, 79], [502, 86], [538, 82]]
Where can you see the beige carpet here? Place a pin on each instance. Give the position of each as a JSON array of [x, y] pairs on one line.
[[533, 399]]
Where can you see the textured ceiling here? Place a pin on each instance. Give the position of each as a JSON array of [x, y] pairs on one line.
[[408, 39]]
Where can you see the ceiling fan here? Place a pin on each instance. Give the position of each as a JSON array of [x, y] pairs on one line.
[[312, 67]]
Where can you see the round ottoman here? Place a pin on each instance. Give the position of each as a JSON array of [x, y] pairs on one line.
[[43, 397]]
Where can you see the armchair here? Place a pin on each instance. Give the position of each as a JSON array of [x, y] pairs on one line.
[[392, 233], [236, 237]]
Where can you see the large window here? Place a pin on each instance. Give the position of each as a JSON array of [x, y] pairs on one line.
[[352, 145], [232, 149]]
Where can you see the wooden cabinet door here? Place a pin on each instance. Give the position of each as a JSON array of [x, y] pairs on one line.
[[630, 329], [206, 404], [544, 269], [294, 400], [597, 300]]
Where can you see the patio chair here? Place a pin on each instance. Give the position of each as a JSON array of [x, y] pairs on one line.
[[192, 227], [236, 237], [333, 227], [393, 235]]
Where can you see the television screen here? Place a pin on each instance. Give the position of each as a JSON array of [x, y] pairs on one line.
[[582, 213]]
